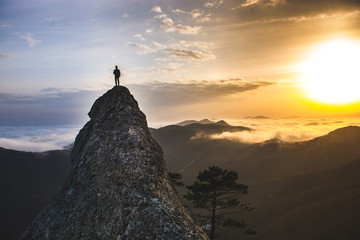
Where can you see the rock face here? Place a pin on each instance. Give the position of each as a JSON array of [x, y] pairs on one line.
[[117, 187]]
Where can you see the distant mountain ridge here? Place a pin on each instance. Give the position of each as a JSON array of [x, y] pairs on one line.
[[260, 117], [188, 122], [191, 130], [204, 121]]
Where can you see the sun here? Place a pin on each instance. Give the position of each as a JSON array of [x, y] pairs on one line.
[[331, 72]]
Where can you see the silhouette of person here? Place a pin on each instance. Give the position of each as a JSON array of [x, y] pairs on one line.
[[117, 74]]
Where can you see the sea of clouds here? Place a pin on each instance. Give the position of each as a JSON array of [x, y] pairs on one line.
[[285, 129], [37, 138], [45, 138]]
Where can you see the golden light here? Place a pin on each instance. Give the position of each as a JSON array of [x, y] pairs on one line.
[[331, 72]]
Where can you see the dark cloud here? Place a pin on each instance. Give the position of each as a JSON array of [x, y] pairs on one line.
[[165, 93], [259, 117], [50, 97], [313, 124], [51, 107], [2, 56]]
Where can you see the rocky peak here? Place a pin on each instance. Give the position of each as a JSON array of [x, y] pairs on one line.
[[117, 188]]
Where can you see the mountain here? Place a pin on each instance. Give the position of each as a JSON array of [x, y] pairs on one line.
[[184, 147], [191, 131], [315, 205], [203, 122], [300, 190], [28, 181], [259, 117], [117, 186], [188, 122]]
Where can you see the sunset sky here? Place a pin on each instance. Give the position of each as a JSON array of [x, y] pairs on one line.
[[181, 59]]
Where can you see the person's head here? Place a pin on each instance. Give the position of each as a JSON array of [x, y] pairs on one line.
[[116, 67]]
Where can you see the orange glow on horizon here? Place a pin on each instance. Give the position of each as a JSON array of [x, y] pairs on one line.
[[333, 108]]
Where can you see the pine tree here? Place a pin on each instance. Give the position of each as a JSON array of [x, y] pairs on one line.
[[215, 190]]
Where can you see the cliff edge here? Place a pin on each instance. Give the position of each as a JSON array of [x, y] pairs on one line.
[[117, 187]]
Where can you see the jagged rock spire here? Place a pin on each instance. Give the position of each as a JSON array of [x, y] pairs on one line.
[[117, 187]]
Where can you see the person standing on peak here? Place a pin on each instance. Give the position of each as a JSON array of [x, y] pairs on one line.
[[117, 74]]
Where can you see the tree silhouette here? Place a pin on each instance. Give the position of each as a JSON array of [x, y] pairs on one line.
[[215, 190], [175, 179]]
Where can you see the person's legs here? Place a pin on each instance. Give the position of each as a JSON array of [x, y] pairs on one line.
[[117, 83]]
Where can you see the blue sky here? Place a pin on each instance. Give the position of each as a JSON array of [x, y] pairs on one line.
[[182, 59], [56, 51]]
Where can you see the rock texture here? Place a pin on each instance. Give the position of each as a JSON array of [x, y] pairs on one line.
[[117, 187]]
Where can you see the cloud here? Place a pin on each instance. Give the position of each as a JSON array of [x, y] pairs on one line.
[[191, 55], [47, 96], [195, 13], [169, 67], [203, 46], [262, 10], [249, 3], [51, 106], [262, 2], [140, 37], [2, 56], [162, 16], [257, 117], [125, 15], [156, 9], [172, 94], [213, 4], [38, 139], [209, 4], [284, 129], [169, 26], [144, 48], [5, 25], [206, 18], [51, 19], [30, 40], [179, 11], [176, 50], [301, 18]]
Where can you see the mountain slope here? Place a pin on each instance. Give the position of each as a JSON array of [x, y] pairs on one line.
[[303, 190], [318, 205], [272, 158], [28, 181]]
